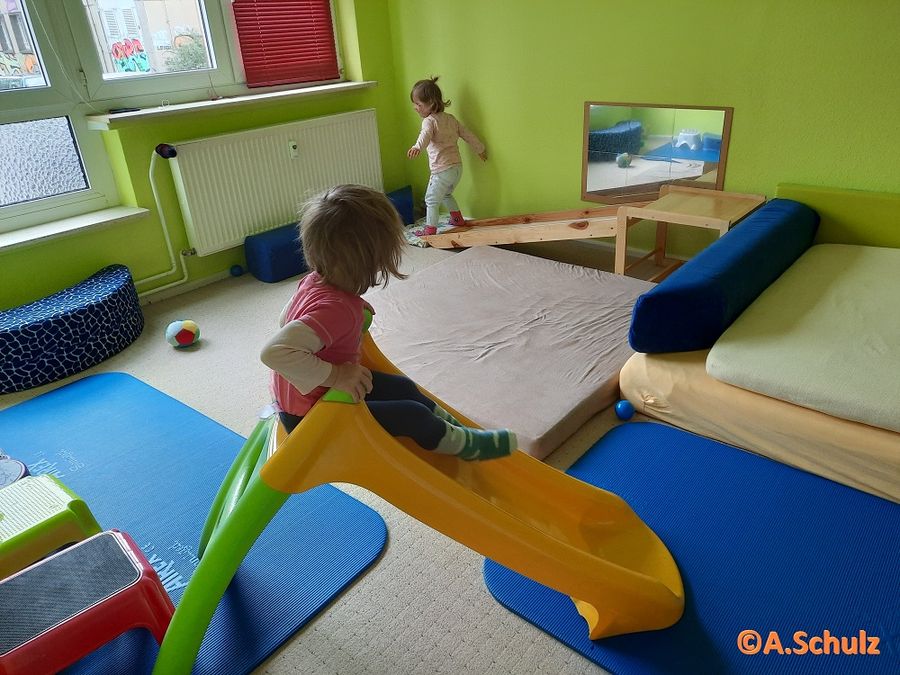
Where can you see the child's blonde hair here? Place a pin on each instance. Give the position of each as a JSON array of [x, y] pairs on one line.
[[353, 237], [429, 93]]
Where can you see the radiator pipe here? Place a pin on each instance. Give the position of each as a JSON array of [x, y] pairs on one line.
[[166, 151]]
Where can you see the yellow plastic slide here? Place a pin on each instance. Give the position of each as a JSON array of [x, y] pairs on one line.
[[550, 527]]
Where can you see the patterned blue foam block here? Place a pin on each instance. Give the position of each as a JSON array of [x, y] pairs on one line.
[[69, 331], [605, 144]]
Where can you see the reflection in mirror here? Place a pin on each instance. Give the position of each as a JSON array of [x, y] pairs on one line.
[[632, 149]]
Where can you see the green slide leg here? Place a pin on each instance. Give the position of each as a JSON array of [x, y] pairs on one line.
[[235, 481], [227, 548]]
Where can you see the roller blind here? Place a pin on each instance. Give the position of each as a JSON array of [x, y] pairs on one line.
[[286, 41]]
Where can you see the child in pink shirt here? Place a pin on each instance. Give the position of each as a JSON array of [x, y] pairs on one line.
[[439, 135], [353, 239]]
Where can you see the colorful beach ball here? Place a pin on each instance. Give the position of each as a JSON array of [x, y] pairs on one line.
[[182, 333]]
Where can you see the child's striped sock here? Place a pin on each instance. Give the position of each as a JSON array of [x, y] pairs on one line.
[[447, 417], [470, 444]]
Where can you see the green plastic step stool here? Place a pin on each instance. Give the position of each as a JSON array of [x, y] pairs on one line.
[[39, 515]]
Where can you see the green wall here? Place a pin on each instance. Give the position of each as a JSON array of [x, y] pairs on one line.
[[812, 84], [665, 122], [658, 121], [606, 116]]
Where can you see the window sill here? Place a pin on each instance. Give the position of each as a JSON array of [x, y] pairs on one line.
[[121, 119], [61, 228]]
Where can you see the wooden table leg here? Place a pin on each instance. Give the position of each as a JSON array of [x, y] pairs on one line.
[[662, 233], [621, 241]]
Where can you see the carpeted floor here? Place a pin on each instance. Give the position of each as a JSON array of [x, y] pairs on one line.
[[423, 607]]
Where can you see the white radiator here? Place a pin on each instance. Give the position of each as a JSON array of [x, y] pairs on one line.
[[233, 185]]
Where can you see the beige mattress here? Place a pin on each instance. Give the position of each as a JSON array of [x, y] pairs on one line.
[[675, 388], [823, 336], [511, 340]]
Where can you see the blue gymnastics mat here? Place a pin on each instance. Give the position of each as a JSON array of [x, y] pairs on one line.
[[150, 466], [761, 546], [668, 152]]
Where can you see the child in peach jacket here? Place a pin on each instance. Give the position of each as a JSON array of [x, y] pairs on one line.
[[440, 134]]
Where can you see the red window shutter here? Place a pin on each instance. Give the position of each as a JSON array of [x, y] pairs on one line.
[[286, 41]]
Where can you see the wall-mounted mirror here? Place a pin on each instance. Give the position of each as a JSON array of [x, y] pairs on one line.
[[632, 149]]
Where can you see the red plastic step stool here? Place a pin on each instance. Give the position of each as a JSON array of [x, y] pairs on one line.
[[75, 601]]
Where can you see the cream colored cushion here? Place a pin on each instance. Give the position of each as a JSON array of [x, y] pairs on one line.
[[825, 335]]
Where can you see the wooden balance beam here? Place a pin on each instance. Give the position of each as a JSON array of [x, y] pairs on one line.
[[531, 227]]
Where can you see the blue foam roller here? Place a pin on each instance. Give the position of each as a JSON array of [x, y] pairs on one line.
[[275, 255], [402, 200]]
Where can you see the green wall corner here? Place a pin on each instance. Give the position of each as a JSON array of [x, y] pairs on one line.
[[810, 107]]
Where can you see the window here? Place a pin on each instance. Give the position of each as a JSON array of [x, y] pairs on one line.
[[201, 45], [47, 161], [123, 29], [21, 32], [62, 60], [110, 24], [20, 62], [6, 44]]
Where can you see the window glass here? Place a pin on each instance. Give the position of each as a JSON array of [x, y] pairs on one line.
[[40, 160], [20, 61], [135, 38]]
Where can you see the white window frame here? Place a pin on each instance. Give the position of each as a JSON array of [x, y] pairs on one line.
[[198, 83], [227, 78], [77, 89], [100, 194], [57, 100]]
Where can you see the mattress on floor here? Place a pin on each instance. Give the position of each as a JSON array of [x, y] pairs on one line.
[[825, 335], [676, 388], [511, 340]]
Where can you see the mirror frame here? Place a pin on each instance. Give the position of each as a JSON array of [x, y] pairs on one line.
[[650, 191]]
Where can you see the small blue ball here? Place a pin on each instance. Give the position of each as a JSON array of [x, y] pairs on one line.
[[236, 270], [624, 410]]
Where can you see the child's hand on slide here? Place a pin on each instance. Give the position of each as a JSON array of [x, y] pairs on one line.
[[483, 155], [413, 152], [352, 378]]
